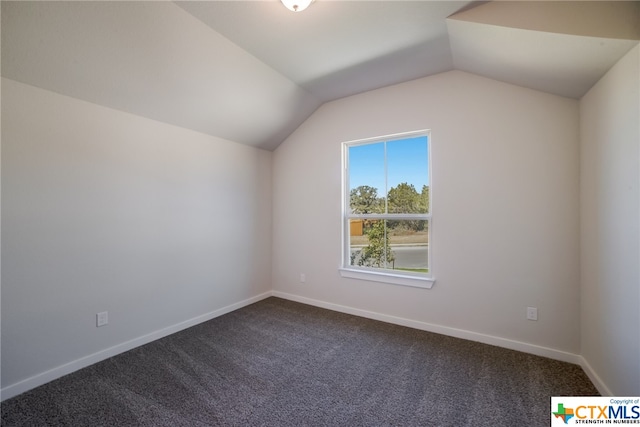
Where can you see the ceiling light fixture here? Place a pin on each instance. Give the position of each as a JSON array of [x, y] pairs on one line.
[[296, 5]]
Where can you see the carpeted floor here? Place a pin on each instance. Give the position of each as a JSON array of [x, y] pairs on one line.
[[281, 363]]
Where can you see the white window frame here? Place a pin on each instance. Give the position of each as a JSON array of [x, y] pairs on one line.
[[406, 278]]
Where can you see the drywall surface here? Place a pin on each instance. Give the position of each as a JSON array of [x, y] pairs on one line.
[[505, 193], [610, 226], [107, 211]]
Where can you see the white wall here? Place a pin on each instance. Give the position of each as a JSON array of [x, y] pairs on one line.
[[610, 226], [106, 211], [505, 209]]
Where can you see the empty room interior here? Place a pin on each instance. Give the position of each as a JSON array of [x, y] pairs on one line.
[[167, 165]]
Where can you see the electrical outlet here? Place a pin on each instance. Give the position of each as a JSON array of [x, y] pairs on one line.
[[532, 313], [102, 318], [303, 278]]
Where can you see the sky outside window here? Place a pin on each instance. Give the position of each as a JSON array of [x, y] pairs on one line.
[[407, 161]]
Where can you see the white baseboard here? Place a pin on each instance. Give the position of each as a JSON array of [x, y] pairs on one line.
[[595, 378], [444, 330], [59, 371]]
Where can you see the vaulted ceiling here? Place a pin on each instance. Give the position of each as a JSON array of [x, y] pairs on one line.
[[252, 71]]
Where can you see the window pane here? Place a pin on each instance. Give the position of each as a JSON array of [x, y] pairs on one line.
[[369, 244], [366, 178], [408, 175], [409, 242]]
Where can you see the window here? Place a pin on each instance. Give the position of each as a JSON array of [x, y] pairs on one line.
[[387, 209]]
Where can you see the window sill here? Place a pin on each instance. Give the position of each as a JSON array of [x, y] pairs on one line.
[[391, 278]]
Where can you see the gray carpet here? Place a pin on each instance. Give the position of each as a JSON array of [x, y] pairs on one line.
[[281, 363]]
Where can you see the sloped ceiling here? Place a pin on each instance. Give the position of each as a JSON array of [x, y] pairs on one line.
[[557, 47], [252, 71]]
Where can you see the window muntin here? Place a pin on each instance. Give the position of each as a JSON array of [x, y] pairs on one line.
[[387, 212]]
